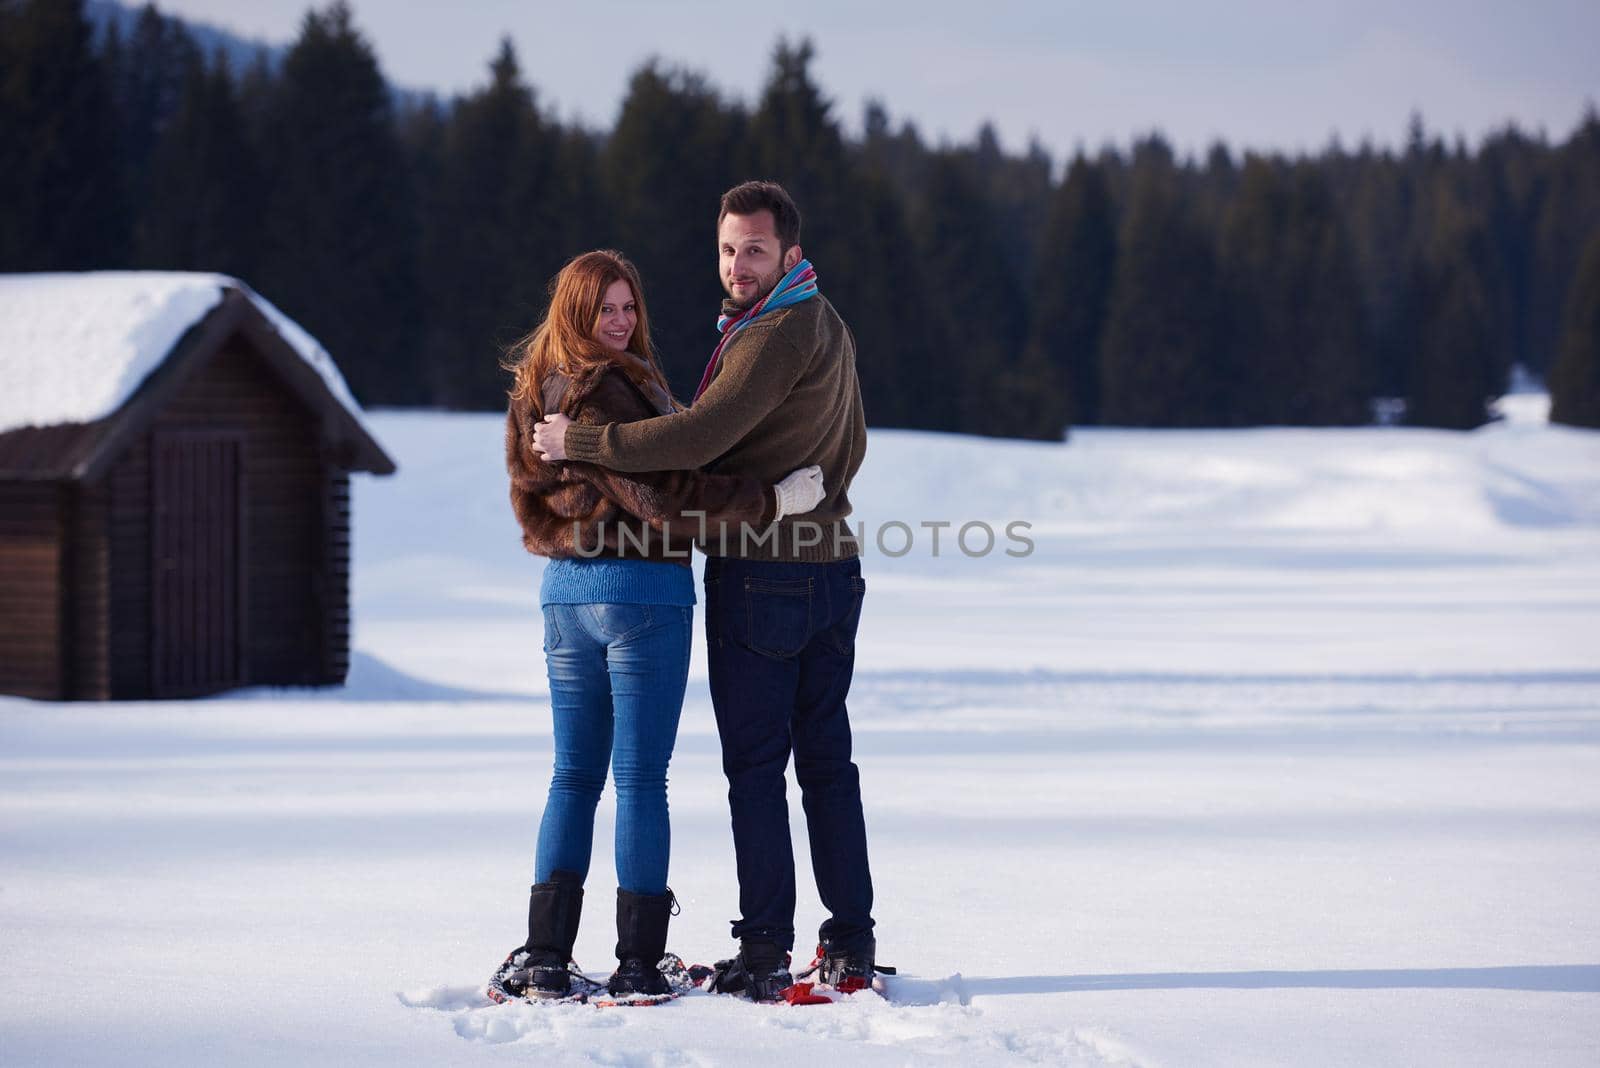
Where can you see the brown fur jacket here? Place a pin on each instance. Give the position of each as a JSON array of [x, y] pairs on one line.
[[569, 508]]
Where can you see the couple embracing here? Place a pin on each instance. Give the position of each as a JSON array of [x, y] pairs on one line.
[[613, 480]]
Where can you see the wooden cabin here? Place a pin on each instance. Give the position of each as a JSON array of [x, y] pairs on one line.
[[185, 530]]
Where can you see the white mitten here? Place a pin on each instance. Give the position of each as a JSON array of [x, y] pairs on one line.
[[800, 491]]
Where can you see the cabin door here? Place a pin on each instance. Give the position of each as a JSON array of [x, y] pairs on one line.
[[197, 585]]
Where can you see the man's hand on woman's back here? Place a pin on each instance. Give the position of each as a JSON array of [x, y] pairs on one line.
[[800, 491]]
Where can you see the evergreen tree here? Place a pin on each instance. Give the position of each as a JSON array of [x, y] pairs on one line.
[[1220, 180], [1258, 326], [672, 154], [1575, 377], [980, 379], [1511, 171], [1378, 214], [584, 218], [903, 355], [203, 203], [1210, 187], [153, 69], [892, 311], [338, 255], [1159, 357], [1295, 346], [1334, 347], [1453, 370], [794, 139], [1421, 173], [1474, 192], [422, 122], [1072, 289], [491, 235], [1569, 213], [60, 205], [1019, 193], [854, 235], [257, 88], [897, 157]]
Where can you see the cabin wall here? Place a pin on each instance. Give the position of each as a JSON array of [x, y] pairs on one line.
[[335, 588], [127, 490], [86, 628], [31, 607], [288, 593]]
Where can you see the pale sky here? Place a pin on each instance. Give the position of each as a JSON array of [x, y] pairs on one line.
[[1256, 74]]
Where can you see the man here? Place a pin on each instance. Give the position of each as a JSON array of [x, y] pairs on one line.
[[782, 604]]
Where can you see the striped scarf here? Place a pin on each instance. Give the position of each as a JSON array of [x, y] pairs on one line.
[[798, 285]]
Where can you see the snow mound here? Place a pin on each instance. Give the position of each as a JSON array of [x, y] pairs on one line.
[[75, 346], [1373, 481], [445, 998]]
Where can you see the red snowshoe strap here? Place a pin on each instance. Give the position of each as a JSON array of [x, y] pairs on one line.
[[800, 994]]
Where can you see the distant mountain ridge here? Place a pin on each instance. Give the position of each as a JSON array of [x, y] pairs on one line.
[[241, 51]]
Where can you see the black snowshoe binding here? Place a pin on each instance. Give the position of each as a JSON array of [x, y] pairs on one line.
[[846, 970], [526, 976], [760, 972]]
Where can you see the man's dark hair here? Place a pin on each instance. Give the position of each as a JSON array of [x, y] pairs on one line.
[[749, 198]]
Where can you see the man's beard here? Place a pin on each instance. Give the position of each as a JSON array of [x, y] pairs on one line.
[[763, 287]]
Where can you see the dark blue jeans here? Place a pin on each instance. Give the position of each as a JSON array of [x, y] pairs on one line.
[[617, 676], [781, 644]]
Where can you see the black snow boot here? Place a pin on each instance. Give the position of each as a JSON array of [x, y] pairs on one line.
[[642, 921], [538, 969], [760, 972]]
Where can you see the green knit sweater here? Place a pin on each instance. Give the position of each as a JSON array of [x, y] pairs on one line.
[[784, 395]]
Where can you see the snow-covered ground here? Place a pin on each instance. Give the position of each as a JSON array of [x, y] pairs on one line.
[[1280, 747]]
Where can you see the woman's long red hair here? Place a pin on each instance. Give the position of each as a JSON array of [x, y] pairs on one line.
[[564, 340]]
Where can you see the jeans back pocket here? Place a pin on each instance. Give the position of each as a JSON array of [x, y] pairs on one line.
[[613, 623], [778, 615], [552, 629], [841, 637]]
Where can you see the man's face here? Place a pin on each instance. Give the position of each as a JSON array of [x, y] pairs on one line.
[[748, 257]]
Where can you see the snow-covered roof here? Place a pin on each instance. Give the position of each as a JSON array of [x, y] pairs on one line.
[[74, 347]]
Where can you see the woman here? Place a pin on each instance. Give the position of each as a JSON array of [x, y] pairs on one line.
[[618, 601]]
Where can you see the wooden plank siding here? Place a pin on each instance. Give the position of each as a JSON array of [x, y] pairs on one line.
[[285, 615], [127, 487], [334, 589], [86, 575], [197, 562], [30, 589]]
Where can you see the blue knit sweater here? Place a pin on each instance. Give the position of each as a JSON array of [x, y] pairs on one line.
[[610, 580]]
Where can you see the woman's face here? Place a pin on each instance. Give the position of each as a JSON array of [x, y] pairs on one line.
[[618, 315]]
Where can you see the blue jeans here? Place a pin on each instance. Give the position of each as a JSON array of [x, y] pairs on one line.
[[617, 677], [780, 640]]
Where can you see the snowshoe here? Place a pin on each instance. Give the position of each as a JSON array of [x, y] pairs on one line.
[[529, 977], [684, 977]]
